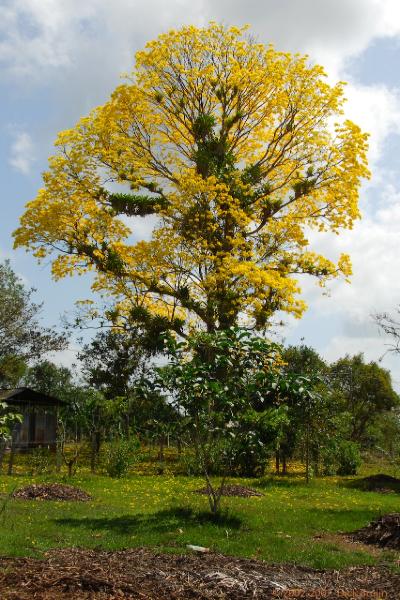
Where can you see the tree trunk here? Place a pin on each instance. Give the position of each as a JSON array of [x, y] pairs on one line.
[[161, 449], [12, 454], [284, 465], [277, 462], [93, 454], [2, 450], [308, 454]]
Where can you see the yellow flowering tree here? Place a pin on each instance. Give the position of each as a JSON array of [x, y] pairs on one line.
[[237, 149]]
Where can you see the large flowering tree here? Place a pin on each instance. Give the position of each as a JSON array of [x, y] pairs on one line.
[[237, 149]]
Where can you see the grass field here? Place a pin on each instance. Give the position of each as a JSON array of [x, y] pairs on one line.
[[291, 522]]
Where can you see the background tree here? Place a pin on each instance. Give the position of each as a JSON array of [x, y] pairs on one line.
[[237, 149], [319, 426], [51, 379], [116, 363], [365, 392], [390, 326], [114, 360], [22, 337], [302, 362]]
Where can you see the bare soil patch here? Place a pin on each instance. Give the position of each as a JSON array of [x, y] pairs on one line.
[[75, 574], [233, 490], [383, 532], [51, 491]]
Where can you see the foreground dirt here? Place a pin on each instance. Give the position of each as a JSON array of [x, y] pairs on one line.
[[75, 574]]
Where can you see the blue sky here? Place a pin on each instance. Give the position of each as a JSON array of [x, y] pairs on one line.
[[59, 58]]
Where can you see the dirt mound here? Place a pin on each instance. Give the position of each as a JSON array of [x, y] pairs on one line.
[[384, 532], [233, 490], [377, 483], [74, 574], [51, 491]]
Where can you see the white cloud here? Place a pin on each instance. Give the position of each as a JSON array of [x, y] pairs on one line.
[[373, 246], [49, 34], [22, 153], [67, 358], [330, 31], [376, 109], [374, 348], [49, 37]]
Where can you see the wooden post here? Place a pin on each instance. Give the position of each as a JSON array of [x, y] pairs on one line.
[[58, 445], [12, 452], [308, 453], [2, 450]]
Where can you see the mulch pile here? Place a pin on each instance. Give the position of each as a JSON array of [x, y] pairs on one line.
[[233, 490], [51, 491], [75, 574], [384, 532], [378, 483]]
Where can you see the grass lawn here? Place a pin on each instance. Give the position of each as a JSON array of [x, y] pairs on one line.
[[162, 512]]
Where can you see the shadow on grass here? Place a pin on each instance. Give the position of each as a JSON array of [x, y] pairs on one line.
[[161, 521]]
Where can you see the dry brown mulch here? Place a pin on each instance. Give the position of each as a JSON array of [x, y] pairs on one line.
[[51, 491], [383, 532], [75, 574], [233, 490]]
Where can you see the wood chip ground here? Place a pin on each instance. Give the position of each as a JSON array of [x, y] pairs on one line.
[[140, 574]]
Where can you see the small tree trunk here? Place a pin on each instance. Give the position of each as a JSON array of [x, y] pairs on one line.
[[58, 455], [277, 462], [93, 454], [308, 454], [12, 454], [2, 451], [284, 465], [161, 449]]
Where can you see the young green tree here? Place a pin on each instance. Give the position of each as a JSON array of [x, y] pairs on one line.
[[237, 149], [228, 389]]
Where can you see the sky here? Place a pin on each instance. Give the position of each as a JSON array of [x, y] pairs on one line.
[[60, 58]]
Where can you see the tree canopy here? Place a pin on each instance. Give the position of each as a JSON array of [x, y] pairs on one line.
[[366, 391], [236, 149]]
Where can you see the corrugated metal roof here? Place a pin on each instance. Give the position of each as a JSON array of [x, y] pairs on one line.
[[26, 395], [4, 394]]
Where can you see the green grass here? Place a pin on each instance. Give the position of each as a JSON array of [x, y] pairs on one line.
[[162, 512]]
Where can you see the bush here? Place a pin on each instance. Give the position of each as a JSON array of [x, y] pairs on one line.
[[340, 457], [121, 456], [348, 458]]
